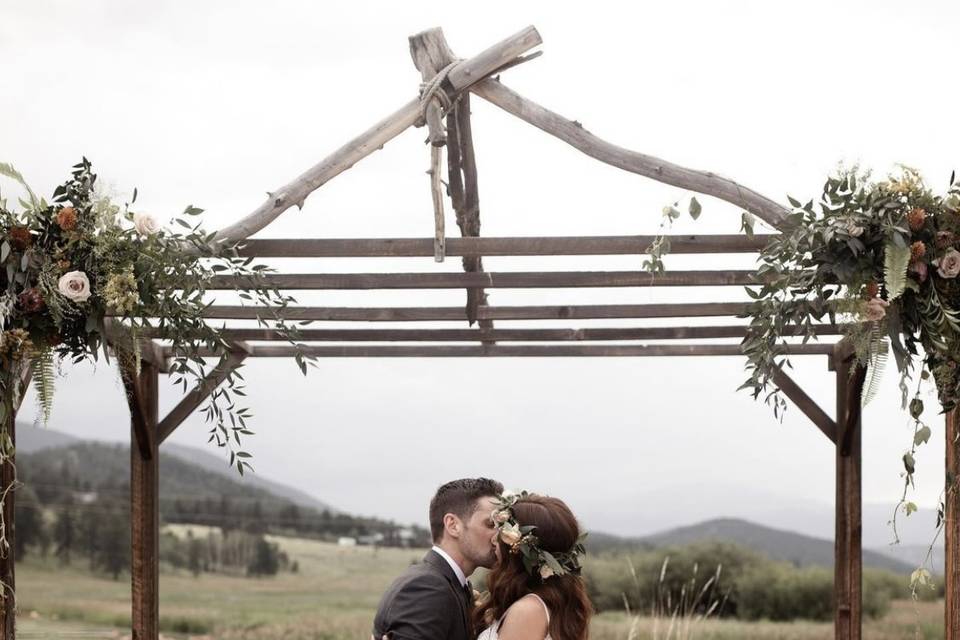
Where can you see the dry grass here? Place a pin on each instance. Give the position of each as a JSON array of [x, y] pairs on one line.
[[333, 597]]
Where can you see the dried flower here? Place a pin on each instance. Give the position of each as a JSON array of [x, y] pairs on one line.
[[31, 301], [853, 228], [917, 250], [74, 285], [14, 343], [120, 293], [63, 264], [949, 265], [916, 218], [945, 239], [20, 238], [67, 218], [870, 290]]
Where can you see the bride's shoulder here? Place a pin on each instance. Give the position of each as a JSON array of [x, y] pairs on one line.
[[527, 617]]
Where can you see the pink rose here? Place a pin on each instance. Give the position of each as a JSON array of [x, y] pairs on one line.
[[949, 264], [876, 309], [919, 269]]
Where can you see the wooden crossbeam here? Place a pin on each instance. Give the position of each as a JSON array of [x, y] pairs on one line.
[[453, 314], [514, 351], [493, 280], [198, 394], [506, 335], [473, 247], [806, 404]]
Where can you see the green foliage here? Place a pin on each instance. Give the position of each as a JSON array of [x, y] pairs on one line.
[[749, 586]]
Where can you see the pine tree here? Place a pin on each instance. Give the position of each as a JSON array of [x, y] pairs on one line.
[[64, 534]]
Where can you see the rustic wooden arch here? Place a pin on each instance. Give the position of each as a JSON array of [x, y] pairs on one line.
[[456, 80]]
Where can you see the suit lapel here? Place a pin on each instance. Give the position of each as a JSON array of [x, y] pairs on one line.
[[435, 560]]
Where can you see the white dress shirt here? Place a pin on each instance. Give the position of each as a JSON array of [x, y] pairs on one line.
[[453, 565]]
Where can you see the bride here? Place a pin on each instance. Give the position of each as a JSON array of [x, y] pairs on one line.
[[535, 589]]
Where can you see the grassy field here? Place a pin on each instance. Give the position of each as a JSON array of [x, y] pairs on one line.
[[333, 597]]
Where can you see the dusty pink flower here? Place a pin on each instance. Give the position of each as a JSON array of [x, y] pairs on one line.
[[945, 239], [876, 309], [919, 269], [949, 264]]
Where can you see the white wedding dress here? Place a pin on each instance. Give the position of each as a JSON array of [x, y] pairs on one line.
[[490, 633]]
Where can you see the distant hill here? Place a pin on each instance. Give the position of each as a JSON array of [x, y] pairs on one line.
[[32, 439], [787, 546], [82, 474]]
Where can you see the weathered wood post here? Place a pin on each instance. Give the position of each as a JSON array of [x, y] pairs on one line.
[[7, 573], [951, 529], [848, 561], [8, 477], [142, 395]]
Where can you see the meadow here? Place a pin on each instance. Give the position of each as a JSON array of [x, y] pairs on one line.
[[333, 597]]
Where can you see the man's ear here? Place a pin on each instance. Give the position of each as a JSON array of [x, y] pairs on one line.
[[452, 525]]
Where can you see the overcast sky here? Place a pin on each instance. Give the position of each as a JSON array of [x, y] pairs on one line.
[[214, 103]]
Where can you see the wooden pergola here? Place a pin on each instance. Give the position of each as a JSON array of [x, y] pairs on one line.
[[444, 106]]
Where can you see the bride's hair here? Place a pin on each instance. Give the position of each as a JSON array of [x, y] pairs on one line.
[[566, 596]]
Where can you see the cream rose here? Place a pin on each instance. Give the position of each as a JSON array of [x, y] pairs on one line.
[[510, 535], [949, 264], [74, 286], [145, 224], [501, 516], [546, 572]]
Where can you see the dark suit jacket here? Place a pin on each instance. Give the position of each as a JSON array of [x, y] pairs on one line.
[[425, 603]]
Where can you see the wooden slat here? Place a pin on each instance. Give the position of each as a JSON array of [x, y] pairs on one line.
[[514, 351], [951, 529], [201, 392], [504, 335], [848, 561], [474, 247], [145, 517], [453, 314], [806, 404], [505, 280]]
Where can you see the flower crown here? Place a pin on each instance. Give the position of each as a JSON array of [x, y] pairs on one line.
[[523, 541]]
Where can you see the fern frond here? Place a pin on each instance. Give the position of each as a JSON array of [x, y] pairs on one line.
[[44, 375], [896, 259], [879, 351]]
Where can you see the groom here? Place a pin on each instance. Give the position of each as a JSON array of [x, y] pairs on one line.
[[432, 600]]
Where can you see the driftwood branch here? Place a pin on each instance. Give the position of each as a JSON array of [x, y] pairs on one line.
[[459, 78], [436, 192], [573, 133]]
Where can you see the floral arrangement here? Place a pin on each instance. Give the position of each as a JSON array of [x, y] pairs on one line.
[[523, 541], [883, 257], [81, 270], [882, 254]]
